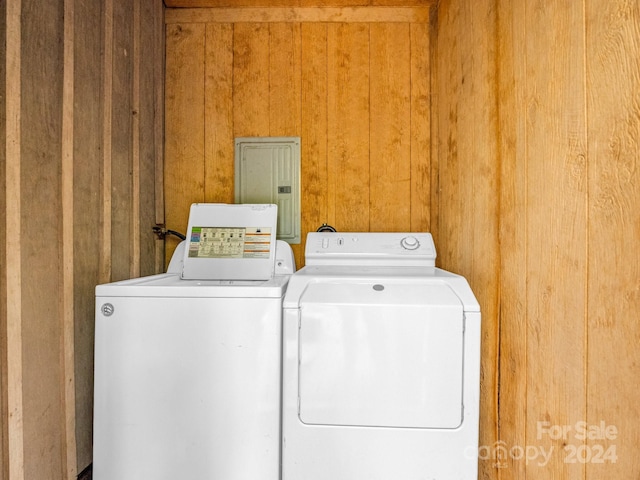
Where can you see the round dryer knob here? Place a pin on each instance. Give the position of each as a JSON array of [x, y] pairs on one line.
[[410, 243]]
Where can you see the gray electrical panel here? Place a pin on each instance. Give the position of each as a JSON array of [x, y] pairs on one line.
[[267, 170]]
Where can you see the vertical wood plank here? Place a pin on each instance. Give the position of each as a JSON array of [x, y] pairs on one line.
[[480, 149], [448, 73], [87, 210], [13, 254], [158, 67], [284, 79], [556, 228], [613, 112], [107, 89], [4, 460], [122, 151], [468, 179], [285, 88], [107, 129], [348, 121], [251, 80], [420, 121], [219, 138], [67, 280], [40, 163], [134, 211], [513, 239], [314, 132], [184, 117], [390, 130], [150, 65], [462, 224], [438, 29]]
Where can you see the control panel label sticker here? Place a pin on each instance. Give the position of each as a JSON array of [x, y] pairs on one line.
[[230, 242]]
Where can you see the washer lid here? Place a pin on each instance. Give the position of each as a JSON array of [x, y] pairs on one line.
[[170, 285], [383, 354]]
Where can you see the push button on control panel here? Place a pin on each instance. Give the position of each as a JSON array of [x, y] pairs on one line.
[[410, 243]]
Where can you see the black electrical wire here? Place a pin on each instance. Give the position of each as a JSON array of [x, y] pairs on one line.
[[162, 233], [176, 234]]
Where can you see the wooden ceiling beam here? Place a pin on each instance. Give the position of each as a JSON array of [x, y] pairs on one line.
[[297, 14], [295, 3]]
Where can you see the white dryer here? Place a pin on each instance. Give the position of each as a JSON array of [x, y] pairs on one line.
[[188, 363], [381, 363]]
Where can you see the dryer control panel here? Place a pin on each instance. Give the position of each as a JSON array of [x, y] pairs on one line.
[[370, 248]]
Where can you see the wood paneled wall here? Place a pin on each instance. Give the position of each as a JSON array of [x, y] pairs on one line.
[[466, 159], [356, 91], [81, 133], [516, 144], [538, 121]]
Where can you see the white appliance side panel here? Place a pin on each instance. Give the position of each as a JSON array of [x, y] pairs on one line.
[[187, 388], [386, 365]]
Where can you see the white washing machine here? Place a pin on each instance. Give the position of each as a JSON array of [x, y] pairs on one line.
[[381, 363], [188, 363]]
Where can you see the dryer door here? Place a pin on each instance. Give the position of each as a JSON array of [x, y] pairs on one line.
[[381, 355]]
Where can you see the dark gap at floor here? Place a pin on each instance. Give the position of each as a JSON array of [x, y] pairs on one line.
[[86, 474]]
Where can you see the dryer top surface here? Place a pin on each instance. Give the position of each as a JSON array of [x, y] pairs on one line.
[[404, 280]]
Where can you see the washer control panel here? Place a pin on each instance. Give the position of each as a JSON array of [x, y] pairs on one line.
[[368, 248]]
